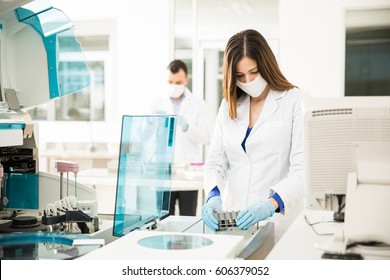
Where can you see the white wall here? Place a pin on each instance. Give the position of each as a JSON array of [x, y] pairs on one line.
[[141, 54], [312, 42], [142, 46], [220, 19], [309, 38]]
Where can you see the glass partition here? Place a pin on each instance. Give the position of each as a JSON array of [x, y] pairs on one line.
[[144, 171]]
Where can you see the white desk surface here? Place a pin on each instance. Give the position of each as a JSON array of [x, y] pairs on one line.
[[101, 176], [299, 240]]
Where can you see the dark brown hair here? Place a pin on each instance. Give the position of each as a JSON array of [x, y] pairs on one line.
[[249, 43], [176, 65]]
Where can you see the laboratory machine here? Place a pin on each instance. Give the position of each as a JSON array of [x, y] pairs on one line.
[[141, 218], [347, 153], [42, 215]]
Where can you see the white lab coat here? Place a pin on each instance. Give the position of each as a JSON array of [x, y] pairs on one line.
[[193, 109], [273, 161]]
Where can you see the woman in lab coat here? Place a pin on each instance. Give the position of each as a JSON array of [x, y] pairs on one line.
[[255, 161]]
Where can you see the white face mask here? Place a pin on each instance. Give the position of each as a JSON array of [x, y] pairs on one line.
[[253, 88], [175, 91]]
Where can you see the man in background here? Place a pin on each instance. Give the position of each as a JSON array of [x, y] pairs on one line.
[[193, 128]]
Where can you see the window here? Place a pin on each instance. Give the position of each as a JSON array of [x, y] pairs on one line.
[[87, 104], [367, 53], [367, 63]]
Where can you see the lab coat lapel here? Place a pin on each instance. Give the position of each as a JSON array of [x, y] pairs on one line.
[[271, 105], [242, 120]]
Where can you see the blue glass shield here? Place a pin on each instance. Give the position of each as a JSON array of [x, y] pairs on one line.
[[144, 171]]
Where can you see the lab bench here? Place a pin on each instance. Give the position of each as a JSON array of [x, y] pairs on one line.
[[104, 182], [310, 234]]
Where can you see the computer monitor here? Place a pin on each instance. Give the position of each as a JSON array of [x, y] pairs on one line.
[[331, 127]]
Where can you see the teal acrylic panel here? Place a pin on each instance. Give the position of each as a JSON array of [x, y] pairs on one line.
[[47, 22], [5, 126], [67, 68], [73, 73], [33, 8], [144, 171], [22, 191]]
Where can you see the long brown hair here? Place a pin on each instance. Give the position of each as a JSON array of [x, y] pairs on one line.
[[249, 43]]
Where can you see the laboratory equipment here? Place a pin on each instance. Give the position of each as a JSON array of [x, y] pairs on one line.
[[368, 194], [347, 153], [45, 245], [331, 126], [62, 215], [366, 230], [142, 205], [67, 166], [227, 220], [1, 185], [37, 41]]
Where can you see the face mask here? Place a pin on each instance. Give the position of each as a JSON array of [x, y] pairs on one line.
[[175, 91], [253, 88]]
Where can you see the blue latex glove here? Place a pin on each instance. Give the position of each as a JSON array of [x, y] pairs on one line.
[[255, 213], [181, 121], [214, 204]]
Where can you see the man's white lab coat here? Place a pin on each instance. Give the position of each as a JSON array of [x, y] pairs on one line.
[[193, 109]]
